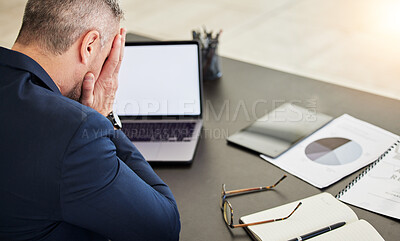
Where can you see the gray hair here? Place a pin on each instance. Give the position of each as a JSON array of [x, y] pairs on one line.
[[55, 25]]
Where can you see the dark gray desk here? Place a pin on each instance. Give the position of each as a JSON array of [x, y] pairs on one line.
[[245, 93]]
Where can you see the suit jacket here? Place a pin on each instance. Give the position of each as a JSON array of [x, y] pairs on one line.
[[65, 173]]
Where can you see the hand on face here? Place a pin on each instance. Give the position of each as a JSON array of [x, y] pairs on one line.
[[100, 94]]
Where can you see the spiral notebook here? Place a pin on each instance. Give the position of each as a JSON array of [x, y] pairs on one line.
[[377, 188]]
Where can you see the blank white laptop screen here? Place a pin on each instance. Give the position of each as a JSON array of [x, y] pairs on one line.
[[159, 80]]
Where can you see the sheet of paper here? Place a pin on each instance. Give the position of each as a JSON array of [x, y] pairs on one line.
[[343, 146], [379, 189], [316, 212]]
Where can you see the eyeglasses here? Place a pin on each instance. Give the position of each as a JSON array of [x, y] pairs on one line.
[[227, 209]]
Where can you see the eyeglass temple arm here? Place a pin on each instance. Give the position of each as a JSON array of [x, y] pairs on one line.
[[268, 221], [246, 190]]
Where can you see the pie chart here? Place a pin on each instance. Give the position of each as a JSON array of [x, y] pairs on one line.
[[333, 151]]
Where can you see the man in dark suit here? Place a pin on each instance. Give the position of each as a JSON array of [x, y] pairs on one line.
[[66, 171]]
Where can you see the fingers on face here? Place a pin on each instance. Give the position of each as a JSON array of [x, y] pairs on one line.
[[109, 73], [123, 38], [121, 55], [113, 59], [116, 51]]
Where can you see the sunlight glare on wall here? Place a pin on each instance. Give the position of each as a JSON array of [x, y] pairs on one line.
[[389, 17]]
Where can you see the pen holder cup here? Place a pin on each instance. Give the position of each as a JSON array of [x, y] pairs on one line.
[[211, 62]]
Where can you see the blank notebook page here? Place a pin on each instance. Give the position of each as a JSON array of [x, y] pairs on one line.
[[316, 212]]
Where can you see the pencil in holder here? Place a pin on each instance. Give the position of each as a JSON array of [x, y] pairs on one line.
[[209, 54]]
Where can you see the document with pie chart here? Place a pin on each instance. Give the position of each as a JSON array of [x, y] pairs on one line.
[[340, 148]]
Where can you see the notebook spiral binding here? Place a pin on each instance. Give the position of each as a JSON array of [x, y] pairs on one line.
[[366, 170]]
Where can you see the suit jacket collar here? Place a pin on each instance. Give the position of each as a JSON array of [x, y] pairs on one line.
[[21, 61]]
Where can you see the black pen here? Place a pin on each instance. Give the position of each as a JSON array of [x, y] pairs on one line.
[[318, 232]]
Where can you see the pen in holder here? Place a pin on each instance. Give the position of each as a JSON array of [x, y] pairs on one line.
[[209, 54]]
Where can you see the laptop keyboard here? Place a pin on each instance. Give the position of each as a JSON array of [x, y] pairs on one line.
[[159, 131]]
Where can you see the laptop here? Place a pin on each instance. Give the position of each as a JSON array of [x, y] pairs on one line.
[[159, 99]]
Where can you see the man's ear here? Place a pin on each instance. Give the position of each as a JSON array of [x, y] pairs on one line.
[[89, 45]]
